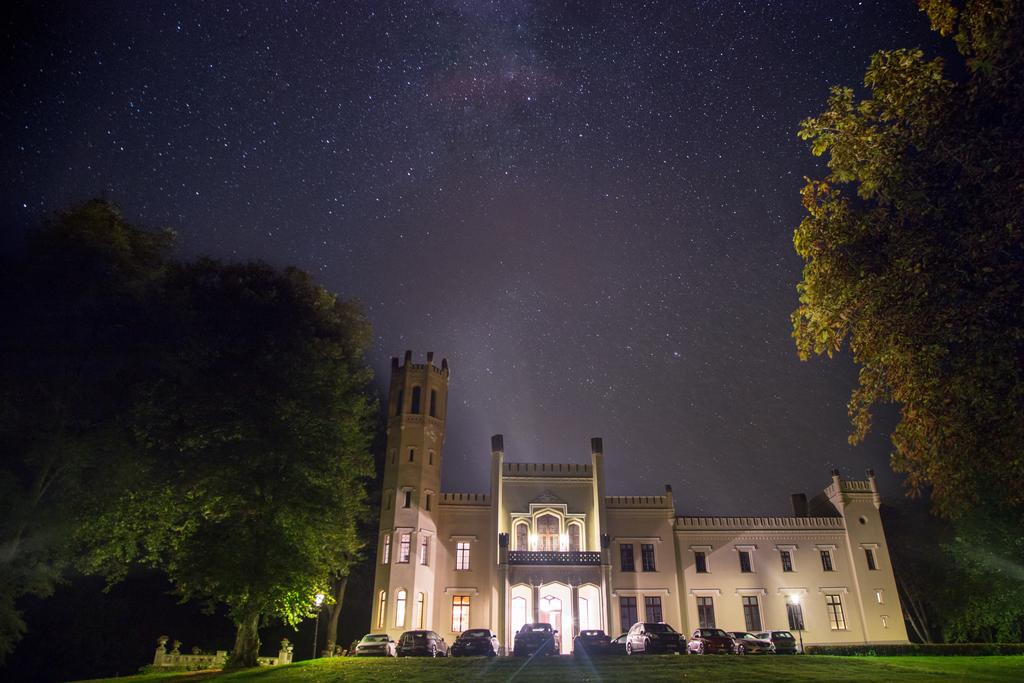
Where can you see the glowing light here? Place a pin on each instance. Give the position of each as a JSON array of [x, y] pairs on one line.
[[319, 599]]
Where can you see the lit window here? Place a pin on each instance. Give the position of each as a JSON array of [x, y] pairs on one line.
[[460, 613], [424, 549], [462, 556], [745, 564], [405, 540], [652, 608], [870, 555], [382, 601], [627, 612], [826, 561], [626, 557], [400, 608], [795, 612], [700, 561], [518, 613], [385, 555], [647, 557], [836, 617], [415, 409], [574, 537], [751, 613], [787, 560], [420, 611], [522, 537], [879, 597], [705, 611]]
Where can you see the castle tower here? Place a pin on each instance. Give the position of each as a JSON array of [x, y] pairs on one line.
[[407, 545]]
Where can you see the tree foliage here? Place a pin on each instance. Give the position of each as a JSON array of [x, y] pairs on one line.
[[75, 300], [914, 254]]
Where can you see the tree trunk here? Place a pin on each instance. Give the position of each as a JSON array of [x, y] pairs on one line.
[[332, 620], [247, 641]]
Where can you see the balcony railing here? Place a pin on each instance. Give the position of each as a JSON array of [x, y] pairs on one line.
[[569, 557]]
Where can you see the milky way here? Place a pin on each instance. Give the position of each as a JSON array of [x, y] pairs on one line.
[[587, 208]]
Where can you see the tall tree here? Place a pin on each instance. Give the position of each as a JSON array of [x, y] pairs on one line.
[[256, 446], [75, 301], [914, 250]]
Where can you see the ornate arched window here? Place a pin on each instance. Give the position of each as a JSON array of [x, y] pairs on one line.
[[522, 536], [547, 532], [382, 602], [400, 608], [574, 537]]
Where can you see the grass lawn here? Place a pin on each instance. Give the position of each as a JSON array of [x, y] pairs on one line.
[[632, 669]]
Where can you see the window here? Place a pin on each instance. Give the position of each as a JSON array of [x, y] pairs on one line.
[[647, 557], [751, 613], [547, 533], [574, 537], [826, 561], [404, 541], [836, 618], [870, 555], [412, 455], [700, 561], [522, 537], [795, 612], [393, 454], [462, 556], [408, 500], [387, 499], [626, 557], [430, 457], [426, 503], [382, 602], [705, 612], [460, 612], [787, 560], [398, 403], [424, 550], [415, 409], [627, 611], [420, 612], [433, 403], [400, 608], [652, 608], [385, 555], [880, 597], [518, 613], [885, 621], [745, 563]]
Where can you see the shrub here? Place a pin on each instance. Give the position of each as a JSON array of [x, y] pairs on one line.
[[920, 649]]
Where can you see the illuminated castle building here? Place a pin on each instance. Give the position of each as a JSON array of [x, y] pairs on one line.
[[545, 543]]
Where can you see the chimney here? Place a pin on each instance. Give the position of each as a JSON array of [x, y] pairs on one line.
[[799, 504]]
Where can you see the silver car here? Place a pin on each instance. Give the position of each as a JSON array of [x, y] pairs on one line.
[[375, 645], [749, 644]]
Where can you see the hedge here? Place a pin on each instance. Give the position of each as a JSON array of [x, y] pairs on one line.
[[929, 649]]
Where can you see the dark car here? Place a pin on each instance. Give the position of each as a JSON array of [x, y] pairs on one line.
[[375, 645], [653, 638], [591, 642], [784, 642], [475, 641], [421, 644], [618, 645], [538, 639], [749, 644], [706, 641]]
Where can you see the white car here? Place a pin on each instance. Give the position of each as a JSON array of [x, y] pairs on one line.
[[376, 645]]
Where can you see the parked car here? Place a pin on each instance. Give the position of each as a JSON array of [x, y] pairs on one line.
[[749, 644], [653, 638], [706, 641], [536, 639], [421, 644], [475, 641], [375, 645], [618, 645], [784, 642], [591, 642]]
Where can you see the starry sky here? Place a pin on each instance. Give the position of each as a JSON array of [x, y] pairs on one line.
[[586, 207]]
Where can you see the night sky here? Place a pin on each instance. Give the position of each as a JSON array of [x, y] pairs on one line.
[[588, 209]]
